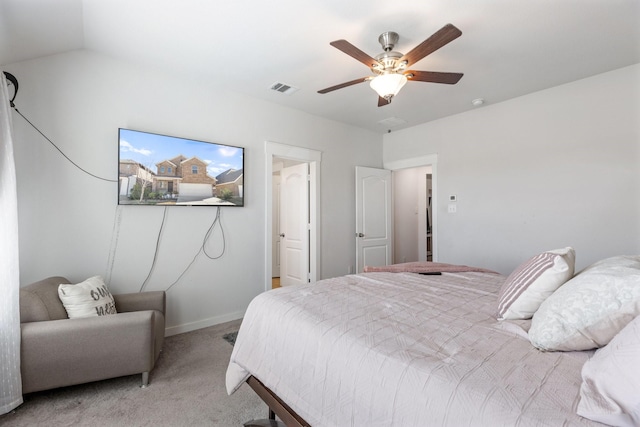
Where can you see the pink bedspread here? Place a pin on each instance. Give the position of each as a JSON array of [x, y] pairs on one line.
[[403, 350], [425, 267]]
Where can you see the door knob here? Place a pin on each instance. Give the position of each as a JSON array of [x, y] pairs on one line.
[[360, 235], [281, 234]]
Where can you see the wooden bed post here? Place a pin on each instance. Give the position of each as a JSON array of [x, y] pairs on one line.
[[276, 407]]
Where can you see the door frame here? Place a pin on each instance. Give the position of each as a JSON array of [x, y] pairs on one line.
[[313, 158], [415, 162]]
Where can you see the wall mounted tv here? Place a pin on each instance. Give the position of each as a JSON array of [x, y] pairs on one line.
[[161, 170]]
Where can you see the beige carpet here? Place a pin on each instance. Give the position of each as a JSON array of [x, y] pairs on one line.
[[186, 389]]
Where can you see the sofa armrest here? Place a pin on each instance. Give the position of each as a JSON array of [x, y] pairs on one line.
[[64, 352], [153, 300]]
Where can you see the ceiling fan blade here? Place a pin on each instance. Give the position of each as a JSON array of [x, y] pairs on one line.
[[440, 38], [346, 84], [382, 101], [354, 52], [433, 77]]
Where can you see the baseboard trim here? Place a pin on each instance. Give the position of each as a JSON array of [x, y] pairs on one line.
[[193, 326]]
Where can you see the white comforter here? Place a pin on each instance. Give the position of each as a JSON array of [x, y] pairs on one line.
[[401, 349]]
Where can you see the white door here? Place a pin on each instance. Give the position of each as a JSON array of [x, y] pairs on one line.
[[275, 238], [374, 224], [294, 225]]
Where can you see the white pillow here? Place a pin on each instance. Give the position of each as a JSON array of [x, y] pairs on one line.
[[90, 298], [590, 309], [533, 281], [610, 391]]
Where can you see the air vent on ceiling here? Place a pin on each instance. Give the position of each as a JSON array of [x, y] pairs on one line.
[[284, 88], [392, 122]]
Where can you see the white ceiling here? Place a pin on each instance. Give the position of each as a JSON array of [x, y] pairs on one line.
[[508, 48]]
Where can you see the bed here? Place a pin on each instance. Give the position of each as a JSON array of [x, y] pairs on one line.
[[398, 348]]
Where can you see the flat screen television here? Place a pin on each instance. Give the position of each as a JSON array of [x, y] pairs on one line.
[[162, 170]]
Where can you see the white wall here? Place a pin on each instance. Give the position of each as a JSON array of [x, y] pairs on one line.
[[79, 100], [551, 169]]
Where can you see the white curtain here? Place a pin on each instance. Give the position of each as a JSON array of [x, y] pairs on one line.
[[10, 381]]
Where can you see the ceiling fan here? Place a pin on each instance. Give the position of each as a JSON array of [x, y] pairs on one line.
[[390, 67]]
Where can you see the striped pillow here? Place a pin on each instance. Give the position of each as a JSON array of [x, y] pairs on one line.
[[533, 281]]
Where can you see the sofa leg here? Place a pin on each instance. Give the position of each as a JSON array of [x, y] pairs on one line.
[[145, 380]]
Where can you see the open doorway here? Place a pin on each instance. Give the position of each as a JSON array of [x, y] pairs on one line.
[[426, 170], [287, 156], [412, 192]]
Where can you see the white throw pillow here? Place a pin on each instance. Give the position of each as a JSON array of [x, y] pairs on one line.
[[610, 391], [90, 298], [533, 281], [590, 309]]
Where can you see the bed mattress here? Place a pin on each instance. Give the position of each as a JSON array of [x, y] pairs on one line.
[[403, 349]]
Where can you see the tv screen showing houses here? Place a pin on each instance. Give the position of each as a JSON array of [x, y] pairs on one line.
[[165, 170]]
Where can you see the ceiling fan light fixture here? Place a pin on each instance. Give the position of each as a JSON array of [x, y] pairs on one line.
[[390, 67], [388, 85]]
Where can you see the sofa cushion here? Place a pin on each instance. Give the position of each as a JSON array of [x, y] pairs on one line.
[[39, 301], [90, 298]]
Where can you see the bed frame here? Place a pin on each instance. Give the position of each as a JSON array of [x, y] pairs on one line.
[[276, 407]]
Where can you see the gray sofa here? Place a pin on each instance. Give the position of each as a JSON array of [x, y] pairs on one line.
[[57, 351]]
